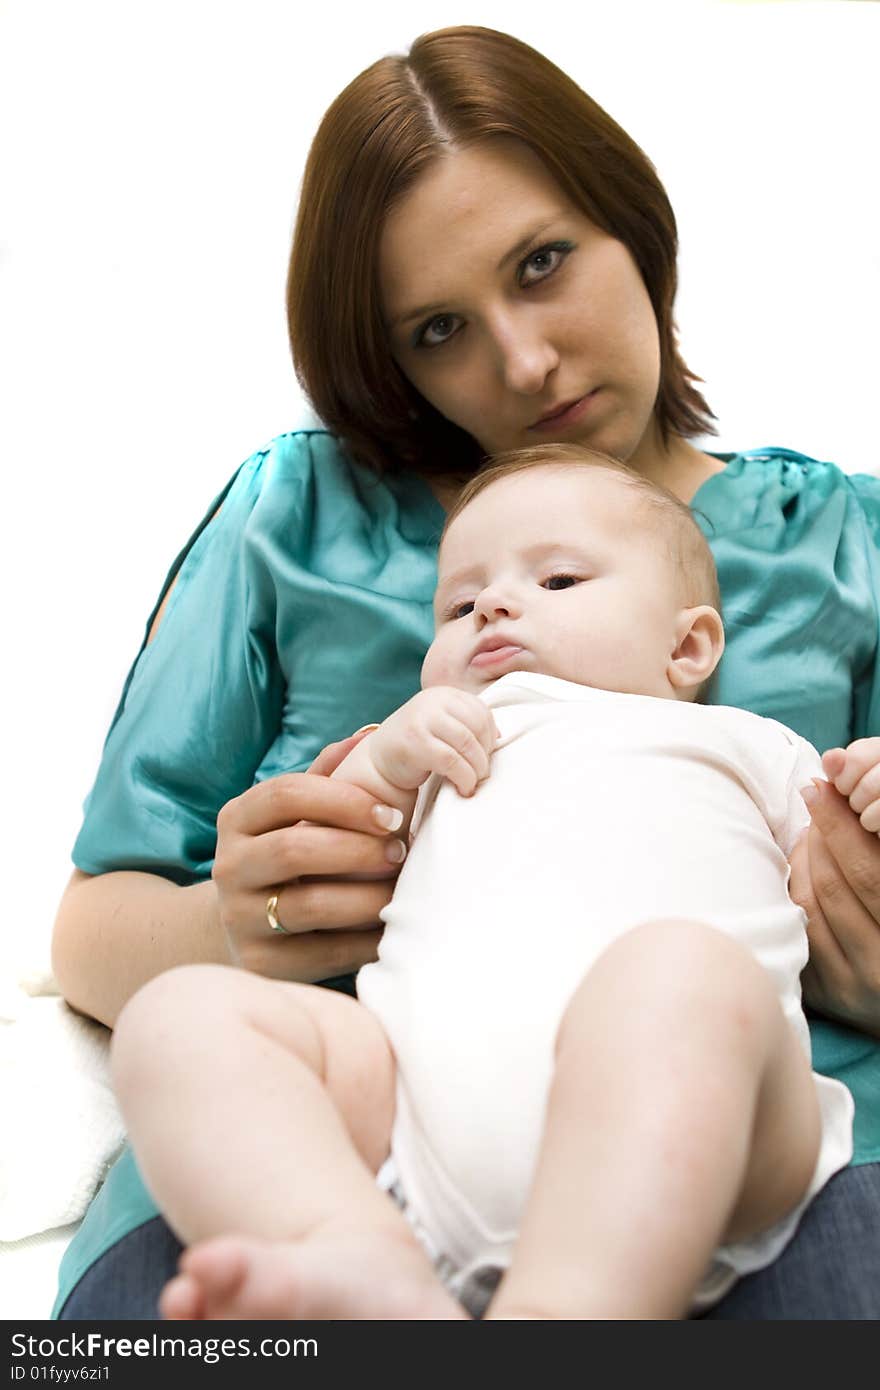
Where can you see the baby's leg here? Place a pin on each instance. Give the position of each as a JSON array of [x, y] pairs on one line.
[[265, 1108], [682, 1114]]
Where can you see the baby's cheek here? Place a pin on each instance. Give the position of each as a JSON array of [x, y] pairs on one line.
[[438, 668]]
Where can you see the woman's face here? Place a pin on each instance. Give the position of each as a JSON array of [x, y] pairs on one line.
[[512, 313]]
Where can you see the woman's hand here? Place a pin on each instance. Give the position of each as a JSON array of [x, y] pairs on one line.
[[835, 877], [268, 843]]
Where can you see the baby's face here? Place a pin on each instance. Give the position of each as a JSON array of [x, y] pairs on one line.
[[555, 570]]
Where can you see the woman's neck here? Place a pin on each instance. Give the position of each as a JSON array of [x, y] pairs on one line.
[[446, 487], [679, 466]]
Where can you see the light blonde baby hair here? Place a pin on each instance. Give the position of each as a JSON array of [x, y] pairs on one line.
[[668, 518]]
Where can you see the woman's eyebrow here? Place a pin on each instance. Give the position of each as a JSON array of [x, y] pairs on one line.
[[524, 242], [522, 245]]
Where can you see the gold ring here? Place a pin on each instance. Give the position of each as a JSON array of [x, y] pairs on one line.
[[271, 909]]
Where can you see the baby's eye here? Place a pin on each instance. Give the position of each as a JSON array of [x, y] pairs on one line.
[[559, 581], [460, 610]]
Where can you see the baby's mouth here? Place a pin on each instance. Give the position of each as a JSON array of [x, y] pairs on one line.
[[496, 654]]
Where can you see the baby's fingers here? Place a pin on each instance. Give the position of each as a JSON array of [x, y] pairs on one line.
[[449, 763], [834, 764], [865, 799], [478, 718], [847, 767], [459, 756], [869, 816], [855, 773]]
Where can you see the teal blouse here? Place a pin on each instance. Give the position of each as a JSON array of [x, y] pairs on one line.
[[302, 610]]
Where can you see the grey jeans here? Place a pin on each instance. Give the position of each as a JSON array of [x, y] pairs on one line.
[[830, 1270]]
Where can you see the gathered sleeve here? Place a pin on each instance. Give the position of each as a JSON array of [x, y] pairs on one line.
[[302, 609], [201, 703], [866, 695], [795, 542]]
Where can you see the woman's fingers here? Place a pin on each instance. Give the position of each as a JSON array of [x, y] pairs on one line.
[[268, 843], [329, 906], [310, 956], [842, 978], [838, 912], [326, 954], [330, 757], [828, 980], [827, 969], [282, 801], [849, 858], [280, 856]]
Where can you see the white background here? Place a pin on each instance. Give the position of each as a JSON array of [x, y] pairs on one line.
[[152, 153]]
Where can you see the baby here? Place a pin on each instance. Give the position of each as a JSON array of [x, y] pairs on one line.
[[582, 1045]]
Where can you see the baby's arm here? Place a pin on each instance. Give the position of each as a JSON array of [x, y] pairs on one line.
[[855, 772], [440, 730]]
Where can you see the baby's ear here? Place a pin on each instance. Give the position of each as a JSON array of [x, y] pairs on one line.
[[699, 642]]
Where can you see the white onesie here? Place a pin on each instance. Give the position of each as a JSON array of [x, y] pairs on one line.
[[601, 811]]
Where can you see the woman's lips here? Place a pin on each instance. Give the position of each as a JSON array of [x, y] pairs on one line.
[[496, 654], [569, 416]]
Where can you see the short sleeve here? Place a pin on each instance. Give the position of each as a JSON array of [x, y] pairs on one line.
[[302, 610], [866, 695], [795, 542], [201, 703]]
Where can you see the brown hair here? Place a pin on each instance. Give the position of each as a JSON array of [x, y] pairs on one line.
[[454, 88], [688, 547]]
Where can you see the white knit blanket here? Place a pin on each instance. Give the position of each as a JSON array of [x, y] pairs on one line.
[[63, 1127]]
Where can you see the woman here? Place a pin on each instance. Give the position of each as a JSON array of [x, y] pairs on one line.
[[482, 259]]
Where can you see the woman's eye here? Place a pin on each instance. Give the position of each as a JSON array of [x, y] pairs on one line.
[[437, 331], [559, 581], [543, 262], [537, 266]]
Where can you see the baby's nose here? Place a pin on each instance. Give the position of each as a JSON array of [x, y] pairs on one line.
[[492, 604]]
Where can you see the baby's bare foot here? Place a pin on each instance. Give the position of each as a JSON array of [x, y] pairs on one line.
[[345, 1275]]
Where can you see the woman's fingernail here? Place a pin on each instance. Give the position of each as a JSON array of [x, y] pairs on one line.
[[810, 795], [388, 817], [395, 851], [365, 728]]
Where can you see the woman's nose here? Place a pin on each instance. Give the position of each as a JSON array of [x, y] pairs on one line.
[[527, 356]]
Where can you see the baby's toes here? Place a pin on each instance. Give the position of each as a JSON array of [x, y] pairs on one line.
[[181, 1300], [217, 1268]]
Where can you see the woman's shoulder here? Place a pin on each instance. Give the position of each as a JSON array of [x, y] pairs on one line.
[[290, 459], [264, 498], [781, 487], [313, 466], [284, 486]]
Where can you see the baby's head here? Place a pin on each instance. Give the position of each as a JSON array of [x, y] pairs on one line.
[[560, 560]]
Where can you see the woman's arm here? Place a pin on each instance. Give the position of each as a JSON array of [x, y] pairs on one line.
[[116, 931], [201, 710], [113, 932]]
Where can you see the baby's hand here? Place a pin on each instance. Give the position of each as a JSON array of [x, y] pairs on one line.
[[855, 772], [440, 730]]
